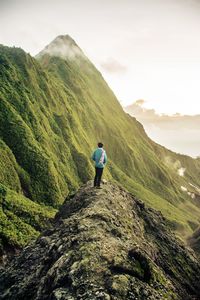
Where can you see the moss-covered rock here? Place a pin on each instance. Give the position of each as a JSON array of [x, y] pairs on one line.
[[105, 244], [194, 241]]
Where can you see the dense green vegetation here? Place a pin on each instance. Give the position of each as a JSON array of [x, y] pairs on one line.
[[53, 111], [20, 218]]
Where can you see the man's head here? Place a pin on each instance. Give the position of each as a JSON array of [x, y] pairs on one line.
[[100, 145]]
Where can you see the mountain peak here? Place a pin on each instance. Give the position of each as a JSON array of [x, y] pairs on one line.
[[63, 39], [62, 46]]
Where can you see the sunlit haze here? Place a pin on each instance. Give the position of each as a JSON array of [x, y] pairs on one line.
[[179, 133], [147, 49]]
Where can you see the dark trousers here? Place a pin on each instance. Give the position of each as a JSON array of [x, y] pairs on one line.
[[98, 174]]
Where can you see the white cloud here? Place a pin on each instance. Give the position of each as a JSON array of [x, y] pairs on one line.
[[113, 66], [181, 171], [64, 47], [183, 188]]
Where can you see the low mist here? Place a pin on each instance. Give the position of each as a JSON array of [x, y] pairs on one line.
[[179, 133]]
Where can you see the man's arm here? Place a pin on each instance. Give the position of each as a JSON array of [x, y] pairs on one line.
[[105, 158]]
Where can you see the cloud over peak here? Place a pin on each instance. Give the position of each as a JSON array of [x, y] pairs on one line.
[[111, 65], [62, 46]]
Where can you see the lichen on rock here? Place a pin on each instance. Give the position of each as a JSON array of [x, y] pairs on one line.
[[104, 244]]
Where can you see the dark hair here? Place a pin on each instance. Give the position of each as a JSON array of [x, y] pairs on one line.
[[100, 145]]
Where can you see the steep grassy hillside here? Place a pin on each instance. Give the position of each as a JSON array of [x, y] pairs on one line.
[[21, 220], [53, 111]]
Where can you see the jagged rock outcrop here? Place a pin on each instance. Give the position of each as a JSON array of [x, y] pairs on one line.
[[104, 244], [194, 241]]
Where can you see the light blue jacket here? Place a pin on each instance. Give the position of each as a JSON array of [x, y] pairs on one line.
[[96, 157]]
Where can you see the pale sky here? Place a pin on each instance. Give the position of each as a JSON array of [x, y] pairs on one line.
[[179, 133], [145, 49]]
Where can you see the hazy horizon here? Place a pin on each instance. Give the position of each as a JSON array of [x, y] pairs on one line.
[[179, 133], [145, 50]]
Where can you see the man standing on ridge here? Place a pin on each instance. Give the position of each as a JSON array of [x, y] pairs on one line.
[[100, 158]]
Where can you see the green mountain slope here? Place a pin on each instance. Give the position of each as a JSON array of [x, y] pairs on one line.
[[53, 111]]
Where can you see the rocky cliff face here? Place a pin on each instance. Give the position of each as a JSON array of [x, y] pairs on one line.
[[194, 241], [104, 244]]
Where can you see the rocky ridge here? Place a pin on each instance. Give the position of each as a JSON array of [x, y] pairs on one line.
[[104, 244], [194, 241]]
